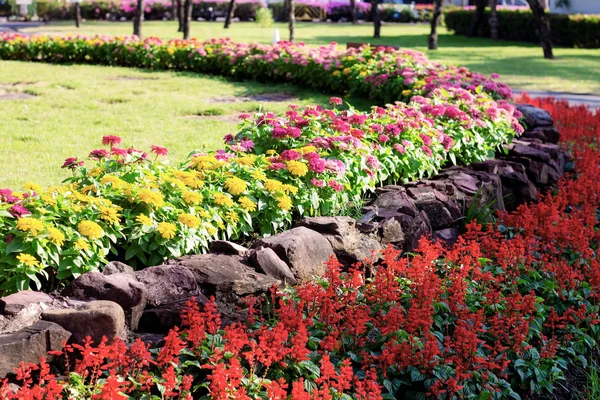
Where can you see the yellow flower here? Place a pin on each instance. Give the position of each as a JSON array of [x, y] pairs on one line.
[[273, 186], [347, 71], [31, 225], [271, 152], [87, 189], [247, 204], [336, 73], [220, 224], [235, 185], [232, 217], [170, 50], [144, 220], [189, 220], [307, 149], [223, 200], [297, 168], [289, 189], [205, 214], [192, 197], [32, 187], [109, 214], [363, 73], [205, 162], [81, 244], [94, 172], [259, 175], [211, 230], [248, 159], [116, 183], [48, 199], [28, 260], [285, 203], [151, 198], [167, 230], [90, 229], [406, 93], [56, 236]]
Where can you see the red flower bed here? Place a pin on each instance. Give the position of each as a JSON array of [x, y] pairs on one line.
[[504, 311]]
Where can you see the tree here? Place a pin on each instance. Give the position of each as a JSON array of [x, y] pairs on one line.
[[542, 26], [291, 18], [173, 10], [376, 12], [187, 18], [180, 15], [138, 18], [493, 19], [477, 18], [230, 10], [435, 21], [354, 14], [77, 15]]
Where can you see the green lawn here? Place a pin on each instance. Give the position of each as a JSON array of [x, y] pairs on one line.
[[74, 106], [520, 64]]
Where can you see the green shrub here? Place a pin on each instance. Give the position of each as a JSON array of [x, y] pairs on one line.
[[567, 30], [264, 17]]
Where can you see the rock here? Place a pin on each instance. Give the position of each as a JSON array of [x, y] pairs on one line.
[[547, 134], [155, 340], [121, 288], [116, 267], [222, 273], [442, 211], [29, 344], [391, 232], [349, 244], [22, 309], [95, 319], [226, 247], [448, 235], [265, 261], [522, 149], [305, 251], [534, 116], [168, 284]]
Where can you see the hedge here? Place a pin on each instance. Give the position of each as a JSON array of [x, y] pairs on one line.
[[308, 162], [567, 30]]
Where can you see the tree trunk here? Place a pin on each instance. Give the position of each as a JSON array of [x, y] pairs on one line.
[[353, 8], [187, 18], [435, 21], [477, 18], [229, 14], [542, 25], [493, 20], [173, 10], [77, 15], [292, 17], [376, 19], [180, 15], [138, 18]]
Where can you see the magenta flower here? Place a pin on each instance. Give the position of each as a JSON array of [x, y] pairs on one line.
[[336, 101], [18, 211], [338, 187], [159, 150], [98, 154], [318, 182], [383, 138], [290, 155], [118, 151], [72, 163], [111, 140]]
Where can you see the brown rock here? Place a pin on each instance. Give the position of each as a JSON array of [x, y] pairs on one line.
[[168, 284], [95, 319], [267, 262], [117, 267], [227, 247]]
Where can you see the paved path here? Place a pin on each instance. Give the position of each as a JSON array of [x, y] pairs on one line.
[[590, 100]]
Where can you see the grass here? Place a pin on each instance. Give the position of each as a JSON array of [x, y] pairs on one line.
[[74, 106], [520, 64]]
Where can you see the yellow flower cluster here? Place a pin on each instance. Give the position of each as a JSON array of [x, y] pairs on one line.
[[151, 198], [297, 168], [189, 220], [223, 200], [167, 230], [235, 185], [247, 204], [56, 236], [31, 225], [192, 198], [90, 229], [144, 220], [28, 260], [109, 214]]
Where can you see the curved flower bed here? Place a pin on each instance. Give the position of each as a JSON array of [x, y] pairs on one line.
[[504, 311], [309, 162], [386, 75]]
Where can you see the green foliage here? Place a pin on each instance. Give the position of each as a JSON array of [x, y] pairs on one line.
[[567, 30], [264, 17]]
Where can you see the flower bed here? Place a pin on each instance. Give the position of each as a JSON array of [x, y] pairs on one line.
[[505, 310], [386, 75], [309, 162]]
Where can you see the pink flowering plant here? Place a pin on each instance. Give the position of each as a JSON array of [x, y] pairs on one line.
[[383, 74], [312, 161]]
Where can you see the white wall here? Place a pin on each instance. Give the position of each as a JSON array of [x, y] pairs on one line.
[[577, 7]]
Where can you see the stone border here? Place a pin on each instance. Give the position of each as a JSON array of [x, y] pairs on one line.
[[121, 302]]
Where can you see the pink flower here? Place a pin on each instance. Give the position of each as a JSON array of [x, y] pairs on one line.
[[335, 101], [399, 148], [317, 165], [98, 154], [317, 182], [247, 144], [338, 187], [18, 211], [244, 116], [383, 138], [290, 155], [228, 138], [72, 163], [117, 151], [111, 140], [159, 150]]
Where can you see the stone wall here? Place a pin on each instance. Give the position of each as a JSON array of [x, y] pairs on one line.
[[121, 302]]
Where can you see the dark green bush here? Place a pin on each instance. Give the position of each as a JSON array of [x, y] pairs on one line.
[[567, 30]]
